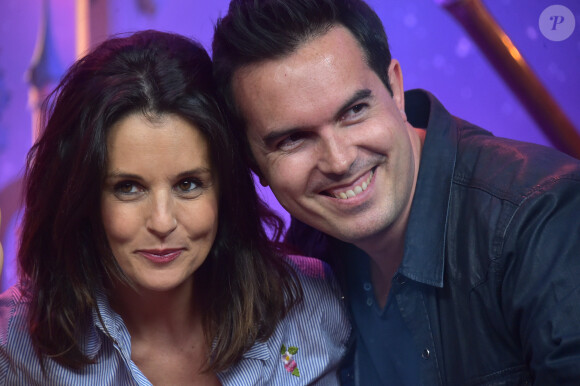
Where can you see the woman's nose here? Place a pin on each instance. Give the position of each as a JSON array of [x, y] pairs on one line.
[[162, 220]]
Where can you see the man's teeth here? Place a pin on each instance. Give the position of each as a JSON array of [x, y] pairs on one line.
[[357, 189]]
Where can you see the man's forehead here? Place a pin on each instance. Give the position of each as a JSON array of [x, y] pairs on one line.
[[314, 50], [306, 88]]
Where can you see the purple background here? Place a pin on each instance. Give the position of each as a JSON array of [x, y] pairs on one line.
[[434, 50]]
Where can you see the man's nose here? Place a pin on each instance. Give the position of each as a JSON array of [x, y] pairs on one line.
[[337, 152]]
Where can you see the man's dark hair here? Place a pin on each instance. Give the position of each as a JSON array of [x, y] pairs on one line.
[[259, 30]]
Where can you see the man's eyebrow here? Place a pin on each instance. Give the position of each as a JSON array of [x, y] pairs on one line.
[[357, 96], [274, 135]]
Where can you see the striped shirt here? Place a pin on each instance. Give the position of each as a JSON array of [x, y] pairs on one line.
[[306, 347]]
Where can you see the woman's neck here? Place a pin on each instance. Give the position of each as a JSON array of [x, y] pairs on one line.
[[166, 315], [168, 343]]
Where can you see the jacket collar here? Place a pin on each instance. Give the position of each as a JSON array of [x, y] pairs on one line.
[[425, 238]]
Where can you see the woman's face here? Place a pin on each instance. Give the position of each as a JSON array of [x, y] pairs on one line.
[[159, 200]]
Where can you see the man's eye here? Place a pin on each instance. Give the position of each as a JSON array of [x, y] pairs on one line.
[[291, 141], [354, 111]]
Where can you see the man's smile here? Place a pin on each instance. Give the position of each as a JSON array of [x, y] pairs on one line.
[[359, 186]]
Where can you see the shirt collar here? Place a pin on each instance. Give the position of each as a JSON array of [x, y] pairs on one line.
[[109, 324], [425, 238], [259, 350]]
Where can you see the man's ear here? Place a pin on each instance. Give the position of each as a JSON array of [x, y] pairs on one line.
[[256, 170], [263, 181], [396, 81], [258, 174]]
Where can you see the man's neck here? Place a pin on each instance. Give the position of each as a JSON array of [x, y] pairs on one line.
[[384, 263]]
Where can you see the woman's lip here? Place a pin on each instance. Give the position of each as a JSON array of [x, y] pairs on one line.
[[160, 255]]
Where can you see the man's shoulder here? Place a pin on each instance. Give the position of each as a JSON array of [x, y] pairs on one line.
[[503, 166], [509, 168]]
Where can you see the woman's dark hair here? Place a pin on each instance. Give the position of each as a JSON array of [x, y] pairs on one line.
[[259, 30], [64, 255]]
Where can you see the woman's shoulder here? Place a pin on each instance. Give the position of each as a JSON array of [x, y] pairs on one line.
[[322, 296], [310, 268], [15, 344], [308, 343], [20, 364], [14, 294], [319, 285], [316, 328], [13, 310]]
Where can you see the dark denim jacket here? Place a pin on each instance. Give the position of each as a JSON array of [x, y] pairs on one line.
[[490, 280]]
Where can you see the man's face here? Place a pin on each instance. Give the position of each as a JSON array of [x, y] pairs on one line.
[[329, 139]]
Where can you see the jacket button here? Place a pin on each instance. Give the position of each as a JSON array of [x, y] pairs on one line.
[[426, 354]]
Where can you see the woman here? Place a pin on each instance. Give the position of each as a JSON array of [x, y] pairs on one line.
[[143, 258]]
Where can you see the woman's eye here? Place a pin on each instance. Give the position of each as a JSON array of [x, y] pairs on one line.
[[126, 188], [188, 185]]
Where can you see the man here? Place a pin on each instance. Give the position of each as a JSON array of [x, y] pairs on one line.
[[460, 252]]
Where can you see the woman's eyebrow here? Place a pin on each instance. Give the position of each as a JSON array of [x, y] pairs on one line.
[[118, 174]]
